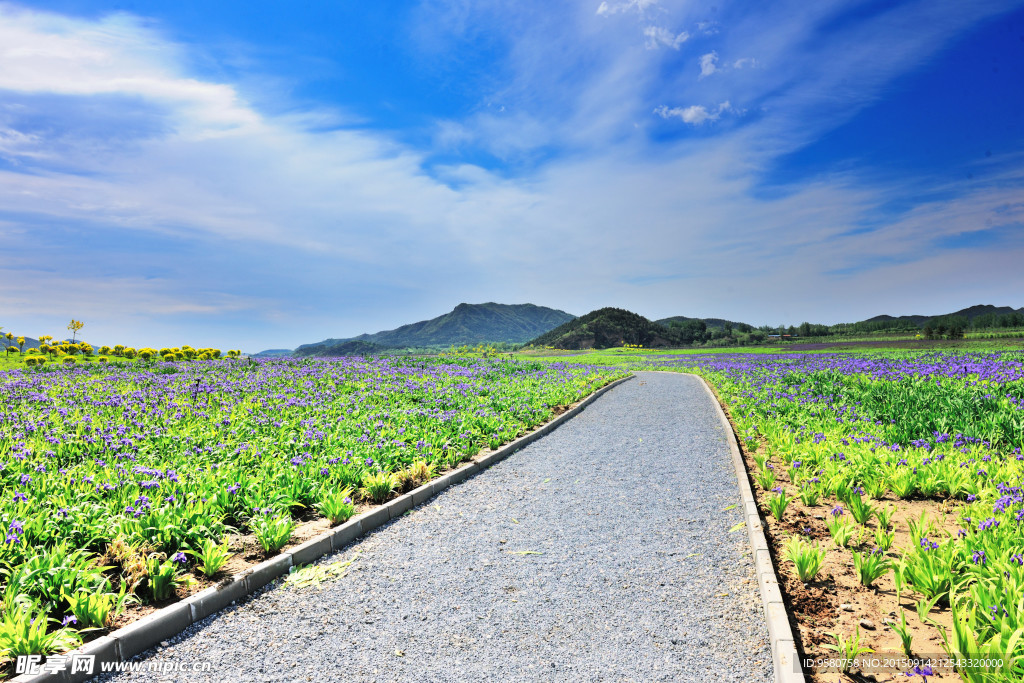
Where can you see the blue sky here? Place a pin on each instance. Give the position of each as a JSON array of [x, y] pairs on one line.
[[263, 174]]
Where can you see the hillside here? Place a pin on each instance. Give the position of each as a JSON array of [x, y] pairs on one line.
[[340, 347], [272, 353], [912, 319], [710, 323], [985, 309], [468, 324], [605, 328], [970, 314], [30, 343]]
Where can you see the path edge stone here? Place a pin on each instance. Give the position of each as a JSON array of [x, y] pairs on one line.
[[780, 633], [170, 621]]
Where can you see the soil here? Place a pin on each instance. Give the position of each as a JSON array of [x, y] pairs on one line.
[[836, 602]]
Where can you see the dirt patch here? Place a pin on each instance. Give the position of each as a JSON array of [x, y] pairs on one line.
[[836, 601]]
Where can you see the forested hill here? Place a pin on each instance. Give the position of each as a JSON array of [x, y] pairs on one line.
[[467, 324], [605, 328]]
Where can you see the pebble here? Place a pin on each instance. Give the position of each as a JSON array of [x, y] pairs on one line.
[[631, 492], [868, 624]]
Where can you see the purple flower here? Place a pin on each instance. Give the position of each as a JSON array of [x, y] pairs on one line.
[[179, 557], [978, 556], [233, 489], [837, 511], [20, 497], [16, 527], [990, 523], [922, 671], [69, 619]]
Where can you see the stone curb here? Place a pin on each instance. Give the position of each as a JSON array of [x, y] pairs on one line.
[[780, 633], [151, 630]]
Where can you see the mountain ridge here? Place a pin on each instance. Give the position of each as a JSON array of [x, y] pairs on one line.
[[466, 324], [472, 324], [607, 327]]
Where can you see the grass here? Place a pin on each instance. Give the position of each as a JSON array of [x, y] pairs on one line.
[[919, 453], [132, 474]]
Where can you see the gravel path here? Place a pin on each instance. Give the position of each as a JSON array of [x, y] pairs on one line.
[[601, 552]]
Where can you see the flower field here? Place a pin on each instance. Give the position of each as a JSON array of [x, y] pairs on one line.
[[892, 488], [118, 484]]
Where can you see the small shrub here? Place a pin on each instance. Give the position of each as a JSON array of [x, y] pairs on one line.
[[272, 533], [861, 510], [378, 487], [212, 556], [870, 566], [849, 649], [884, 539], [840, 529], [337, 506], [165, 575], [765, 479], [777, 504], [23, 631], [807, 558]]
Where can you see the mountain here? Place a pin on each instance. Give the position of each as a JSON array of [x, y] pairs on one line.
[[970, 313], [340, 347], [272, 353], [604, 328], [30, 343], [709, 322], [985, 309], [469, 324], [915, 319]]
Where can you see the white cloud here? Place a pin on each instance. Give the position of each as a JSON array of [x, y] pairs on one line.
[[707, 64], [333, 215], [745, 62], [640, 6], [658, 36], [707, 28], [47, 53], [694, 114]]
